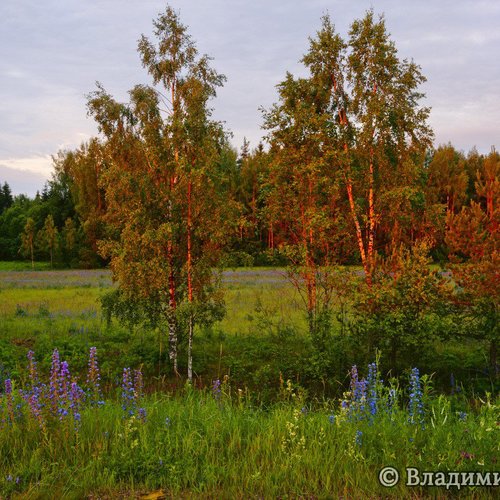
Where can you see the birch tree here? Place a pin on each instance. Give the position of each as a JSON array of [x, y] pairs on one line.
[[162, 154], [360, 106]]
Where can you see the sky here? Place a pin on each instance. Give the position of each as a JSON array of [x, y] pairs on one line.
[[53, 51]]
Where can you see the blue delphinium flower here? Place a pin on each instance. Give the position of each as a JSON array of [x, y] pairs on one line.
[[372, 381], [216, 390], [358, 438], [128, 399], [416, 406], [142, 414]]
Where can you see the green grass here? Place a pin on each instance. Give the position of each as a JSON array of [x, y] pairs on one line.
[[204, 444], [17, 265], [255, 441]]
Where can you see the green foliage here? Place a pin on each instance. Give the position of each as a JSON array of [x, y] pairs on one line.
[[215, 442], [404, 308]]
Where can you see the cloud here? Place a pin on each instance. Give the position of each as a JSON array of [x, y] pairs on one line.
[[52, 52], [24, 180]]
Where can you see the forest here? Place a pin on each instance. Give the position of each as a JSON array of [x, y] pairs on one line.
[[254, 279]]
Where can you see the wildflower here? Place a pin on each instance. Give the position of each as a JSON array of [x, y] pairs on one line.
[[358, 438], [331, 418], [93, 376], [9, 478], [142, 414], [216, 390], [167, 422], [416, 406], [138, 384], [304, 410], [76, 397], [63, 378], [36, 408], [54, 381], [356, 407], [372, 388], [128, 400], [462, 416]]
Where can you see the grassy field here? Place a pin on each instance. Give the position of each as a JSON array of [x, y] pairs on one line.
[[256, 423], [58, 441]]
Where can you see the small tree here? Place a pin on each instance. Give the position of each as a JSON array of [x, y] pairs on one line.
[[167, 220], [473, 237], [28, 241], [49, 238], [395, 315], [69, 239]]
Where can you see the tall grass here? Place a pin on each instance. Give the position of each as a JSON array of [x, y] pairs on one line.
[[216, 443]]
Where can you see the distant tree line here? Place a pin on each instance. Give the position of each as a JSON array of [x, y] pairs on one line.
[[448, 182]]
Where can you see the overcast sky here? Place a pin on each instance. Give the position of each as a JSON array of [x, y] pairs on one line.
[[53, 51]]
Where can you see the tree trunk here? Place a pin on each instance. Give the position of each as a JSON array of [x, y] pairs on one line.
[[371, 217], [190, 347], [189, 253], [359, 235], [190, 281], [172, 338], [172, 323]]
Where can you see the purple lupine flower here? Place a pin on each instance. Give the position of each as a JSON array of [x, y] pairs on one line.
[[54, 381], [36, 408], [416, 405], [216, 390], [64, 390], [94, 377], [138, 384], [64, 380], [142, 414], [128, 400], [354, 380], [76, 398]]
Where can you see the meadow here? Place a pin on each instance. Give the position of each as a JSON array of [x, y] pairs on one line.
[[115, 423]]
